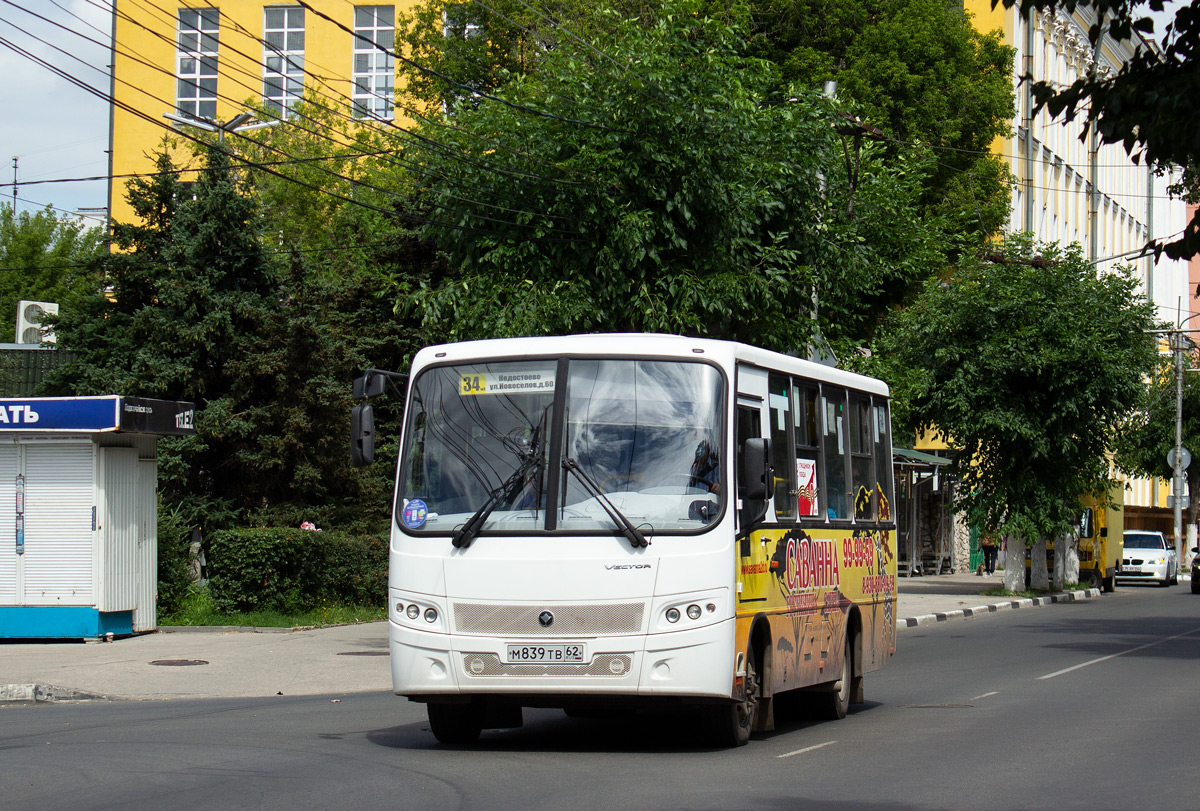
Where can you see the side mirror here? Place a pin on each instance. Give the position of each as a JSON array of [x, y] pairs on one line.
[[369, 384], [756, 456], [1086, 529], [362, 435]]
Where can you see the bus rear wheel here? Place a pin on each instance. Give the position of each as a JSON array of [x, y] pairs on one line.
[[834, 704], [456, 723]]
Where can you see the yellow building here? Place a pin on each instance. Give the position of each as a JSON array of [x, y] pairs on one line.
[[213, 60], [1073, 189]]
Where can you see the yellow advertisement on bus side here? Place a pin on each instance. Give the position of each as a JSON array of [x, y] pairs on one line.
[[813, 585]]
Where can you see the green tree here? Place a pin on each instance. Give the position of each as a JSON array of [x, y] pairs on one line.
[[649, 180], [1027, 362], [916, 70], [1150, 104], [193, 307], [42, 258]]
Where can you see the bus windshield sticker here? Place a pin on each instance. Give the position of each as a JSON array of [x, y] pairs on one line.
[[532, 380], [415, 513]]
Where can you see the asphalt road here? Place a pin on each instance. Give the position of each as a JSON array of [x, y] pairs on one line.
[[1088, 706]]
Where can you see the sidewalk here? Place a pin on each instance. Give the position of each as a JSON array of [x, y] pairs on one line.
[[236, 663], [937, 598]]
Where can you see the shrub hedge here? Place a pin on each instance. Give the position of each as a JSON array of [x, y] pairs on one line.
[[291, 570]]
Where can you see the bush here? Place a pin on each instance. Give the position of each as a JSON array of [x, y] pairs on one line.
[[293, 570]]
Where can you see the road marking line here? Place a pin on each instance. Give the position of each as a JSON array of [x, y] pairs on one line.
[[807, 749], [1115, 655], [986, 695]]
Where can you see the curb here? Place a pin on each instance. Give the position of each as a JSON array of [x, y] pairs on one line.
[[991, 608], [233, 629], [45, 693]]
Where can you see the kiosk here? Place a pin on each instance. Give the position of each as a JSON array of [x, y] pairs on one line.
[[79, 513]]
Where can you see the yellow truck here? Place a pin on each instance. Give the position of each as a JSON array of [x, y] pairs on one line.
[[1101, 538]]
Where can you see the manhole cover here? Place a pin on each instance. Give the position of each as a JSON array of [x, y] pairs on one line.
[[178, 662], [363, 653]]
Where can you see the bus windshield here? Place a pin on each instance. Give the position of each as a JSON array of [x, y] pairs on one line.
[[643, 437]]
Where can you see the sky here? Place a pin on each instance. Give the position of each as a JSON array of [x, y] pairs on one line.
[[55, 129]]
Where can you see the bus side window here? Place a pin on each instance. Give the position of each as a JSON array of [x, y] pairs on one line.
[[807, 488], [862, 460], [834, 427], [781, 448], [883, 461]]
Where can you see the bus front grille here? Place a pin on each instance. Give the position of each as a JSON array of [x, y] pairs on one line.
[[489, 664], [565, 620]]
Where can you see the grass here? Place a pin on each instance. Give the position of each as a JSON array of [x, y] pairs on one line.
[[1000, 591], [198, 609]]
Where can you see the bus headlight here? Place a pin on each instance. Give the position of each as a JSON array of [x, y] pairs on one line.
[[693, 612], [431, 615], [672, 615], [413, 611]]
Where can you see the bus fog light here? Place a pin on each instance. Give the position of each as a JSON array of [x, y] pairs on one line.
[[693, 612], [710, 608], [672, 615], [431, 615], [413, 612]]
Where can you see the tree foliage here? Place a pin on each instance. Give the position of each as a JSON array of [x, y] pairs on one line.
[[1150, 104], [43, 257], [919, 71], [651, 180], [1027, 362]]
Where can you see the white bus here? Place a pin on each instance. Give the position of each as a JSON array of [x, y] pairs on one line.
[[591, 521]]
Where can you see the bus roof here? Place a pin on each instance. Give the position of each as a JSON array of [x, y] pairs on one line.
[[726, 353]]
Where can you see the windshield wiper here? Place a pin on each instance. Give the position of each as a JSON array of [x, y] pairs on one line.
[[505, 492], [636, 538]]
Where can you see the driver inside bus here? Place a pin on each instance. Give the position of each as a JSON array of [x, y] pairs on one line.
[[706, 468]]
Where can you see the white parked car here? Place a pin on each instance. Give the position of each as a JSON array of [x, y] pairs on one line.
[[1148, 556]]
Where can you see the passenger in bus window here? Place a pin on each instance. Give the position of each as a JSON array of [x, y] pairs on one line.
[[706, 468]]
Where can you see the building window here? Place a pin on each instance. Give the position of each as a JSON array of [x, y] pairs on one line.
[[196, 62], [374, 69], [283, 58]]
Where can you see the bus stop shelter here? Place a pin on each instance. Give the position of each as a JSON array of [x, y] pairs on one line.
[[923, 513], [79, 513]]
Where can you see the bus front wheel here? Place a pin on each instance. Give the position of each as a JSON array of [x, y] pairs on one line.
[[456, 723], [733, 722]]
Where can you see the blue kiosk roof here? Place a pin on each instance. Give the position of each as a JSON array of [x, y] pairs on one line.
[[91, 415]]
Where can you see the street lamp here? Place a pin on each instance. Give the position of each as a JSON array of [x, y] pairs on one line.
[[236, 124]]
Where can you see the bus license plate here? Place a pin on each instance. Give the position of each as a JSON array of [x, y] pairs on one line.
[[547, 654]]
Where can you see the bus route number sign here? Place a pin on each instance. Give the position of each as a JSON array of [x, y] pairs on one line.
[[532, 381]]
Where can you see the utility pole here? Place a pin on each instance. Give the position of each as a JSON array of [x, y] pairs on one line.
[[1177, 459], [14, 185]]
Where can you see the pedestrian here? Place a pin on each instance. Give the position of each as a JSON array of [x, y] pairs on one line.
[[991, 550]]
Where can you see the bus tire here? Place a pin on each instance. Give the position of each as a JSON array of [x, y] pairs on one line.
[[732, 722], [456, 723], [834, 704]]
